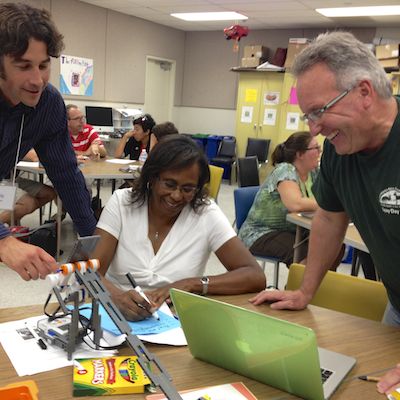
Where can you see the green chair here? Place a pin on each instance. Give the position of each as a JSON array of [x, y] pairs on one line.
[[345, 293]]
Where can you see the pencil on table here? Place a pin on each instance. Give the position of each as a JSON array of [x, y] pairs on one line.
[[369, 378]]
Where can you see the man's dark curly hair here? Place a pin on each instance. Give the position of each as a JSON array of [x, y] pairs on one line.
[[19, 23], [174, 152]]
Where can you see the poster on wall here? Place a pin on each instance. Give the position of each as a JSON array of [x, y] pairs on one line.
[[76, 75], [292, 121], [269, 116], [247, 115]]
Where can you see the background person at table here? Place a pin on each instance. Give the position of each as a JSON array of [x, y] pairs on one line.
[[33, 109], [85, 140], [351, 104], [134, 141], [287, 189], [161, 130], [163, 230], [31, 195]]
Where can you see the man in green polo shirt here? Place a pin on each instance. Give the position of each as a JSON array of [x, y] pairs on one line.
[[347, 97]]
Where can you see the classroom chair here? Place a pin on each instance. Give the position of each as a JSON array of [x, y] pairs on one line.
[[345, 293], [244, 198], [259, 148], [215, 181], [226, 157], [247, 171]]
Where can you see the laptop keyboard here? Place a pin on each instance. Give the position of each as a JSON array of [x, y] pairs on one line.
[[325, 374]]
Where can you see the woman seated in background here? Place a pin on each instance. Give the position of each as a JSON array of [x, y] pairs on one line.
[[287, 189], [134, 141], [162, 231], [161, 130]]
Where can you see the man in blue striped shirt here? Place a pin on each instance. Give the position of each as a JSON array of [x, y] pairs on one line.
[[32, 115]]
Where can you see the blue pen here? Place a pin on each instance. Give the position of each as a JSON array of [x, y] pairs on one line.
[[140, 291]]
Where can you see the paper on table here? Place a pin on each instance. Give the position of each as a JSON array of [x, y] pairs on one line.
[[165, 331], [31, 164], [231, 391], [26, 355], [120, 161]]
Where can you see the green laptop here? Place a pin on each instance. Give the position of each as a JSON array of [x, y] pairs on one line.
[[266, 349]]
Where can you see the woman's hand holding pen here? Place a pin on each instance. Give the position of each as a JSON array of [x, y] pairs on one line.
[[132, 305]]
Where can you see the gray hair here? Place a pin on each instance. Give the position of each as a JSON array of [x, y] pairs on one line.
[[349, 59]]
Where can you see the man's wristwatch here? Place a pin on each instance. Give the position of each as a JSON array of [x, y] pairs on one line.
[[205, 281]]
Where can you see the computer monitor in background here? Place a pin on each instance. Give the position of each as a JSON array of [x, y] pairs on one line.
[[101, 118]]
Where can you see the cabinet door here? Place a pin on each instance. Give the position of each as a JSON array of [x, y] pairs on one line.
[[290, 111], [258, 105], [248, 109], [270, 107]]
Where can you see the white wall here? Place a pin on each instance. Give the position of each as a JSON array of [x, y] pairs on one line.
[[214, 121]]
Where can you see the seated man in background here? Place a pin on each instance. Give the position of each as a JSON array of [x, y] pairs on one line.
[[161, 130], [31, 195], [134, 141], [84, 138]]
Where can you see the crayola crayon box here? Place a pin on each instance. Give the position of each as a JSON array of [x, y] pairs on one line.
[[108, 375]]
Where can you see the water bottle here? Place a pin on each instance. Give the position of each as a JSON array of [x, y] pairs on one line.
[[143, 155]]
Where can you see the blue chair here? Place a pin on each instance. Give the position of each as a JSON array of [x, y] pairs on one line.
[[244, 198]]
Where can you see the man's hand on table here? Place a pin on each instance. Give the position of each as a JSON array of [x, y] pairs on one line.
[[30, 262], [282, 299]]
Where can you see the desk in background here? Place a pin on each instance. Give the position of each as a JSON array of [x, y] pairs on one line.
[[352, 237], [375, 346]]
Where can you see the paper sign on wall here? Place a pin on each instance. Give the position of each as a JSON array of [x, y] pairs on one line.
[[250, 96], [292, 121], [247, 114], [269, 116], [293, 96], [271, 98]]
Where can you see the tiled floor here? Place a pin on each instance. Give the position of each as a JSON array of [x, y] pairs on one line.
[[17, 292]]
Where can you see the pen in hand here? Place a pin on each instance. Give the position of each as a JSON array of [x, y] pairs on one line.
[[138, 289]]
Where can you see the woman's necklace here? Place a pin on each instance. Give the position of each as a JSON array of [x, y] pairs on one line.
[[156, 235]]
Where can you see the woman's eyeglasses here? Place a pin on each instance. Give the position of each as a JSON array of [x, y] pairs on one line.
[[317, 147], [171, 186]]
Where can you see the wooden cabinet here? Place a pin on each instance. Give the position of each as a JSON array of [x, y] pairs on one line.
[[266, 108], [258, 94]]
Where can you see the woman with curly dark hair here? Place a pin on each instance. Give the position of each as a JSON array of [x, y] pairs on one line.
[[163, 230]]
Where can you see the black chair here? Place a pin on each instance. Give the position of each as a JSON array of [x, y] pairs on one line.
[[247, 171], [225, 157], [259, 148]]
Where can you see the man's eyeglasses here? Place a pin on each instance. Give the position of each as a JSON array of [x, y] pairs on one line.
[[316, 115], [171, 186], [81, 118]]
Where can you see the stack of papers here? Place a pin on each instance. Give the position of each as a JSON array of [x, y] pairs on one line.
[[270, 67]]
